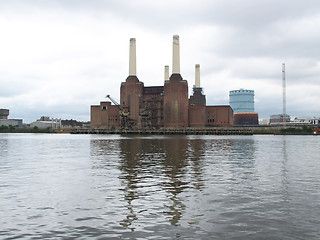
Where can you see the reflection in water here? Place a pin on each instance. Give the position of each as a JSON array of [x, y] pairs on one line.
[[242, 156], [3, 149], [176, 153], [196, 150], [196, 183], [130, 166], [284, 170], [166, 169], [64, 186], [160, 164]]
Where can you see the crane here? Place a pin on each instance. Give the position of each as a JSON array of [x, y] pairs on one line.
[[112, 100], [125, 121]]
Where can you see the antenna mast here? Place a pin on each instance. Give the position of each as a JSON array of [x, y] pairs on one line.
[[284, 94]]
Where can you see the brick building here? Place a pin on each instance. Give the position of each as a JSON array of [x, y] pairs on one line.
[[160, 106]]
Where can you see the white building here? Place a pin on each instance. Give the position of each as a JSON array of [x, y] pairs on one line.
[[53, 123], [312, 121]]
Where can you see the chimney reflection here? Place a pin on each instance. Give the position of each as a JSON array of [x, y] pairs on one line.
[[161, 164]]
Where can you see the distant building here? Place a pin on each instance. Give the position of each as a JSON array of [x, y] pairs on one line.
[[46, 122], [246, 119], [279, 118], [264, 121], [4, 121], [241, 100], [71, 124], [4, 113], [311, 121], [242, 104]]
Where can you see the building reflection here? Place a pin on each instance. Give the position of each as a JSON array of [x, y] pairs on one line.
[[130, 151], [242, 153], [163, 171], [284, 170], [196, 149], [173, 163], [176, 156], [4, 149]]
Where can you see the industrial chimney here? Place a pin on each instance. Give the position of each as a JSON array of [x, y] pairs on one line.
[[166, 73], [175, 93], [176, 55], [198, 98], [197, 78], [132, 58], [131, 91]]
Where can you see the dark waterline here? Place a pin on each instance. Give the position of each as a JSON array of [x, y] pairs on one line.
[[159, 187]]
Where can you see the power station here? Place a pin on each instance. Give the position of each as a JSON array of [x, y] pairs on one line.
[[167, 106]]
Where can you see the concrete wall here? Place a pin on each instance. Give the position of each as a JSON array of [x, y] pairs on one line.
[[11, 122]]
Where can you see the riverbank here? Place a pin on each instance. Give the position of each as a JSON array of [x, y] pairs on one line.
[[281, 130], [166, 131], [274, 130], [4, 129]]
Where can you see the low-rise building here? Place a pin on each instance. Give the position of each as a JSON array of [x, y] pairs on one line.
[[46, 123], [279, 119]]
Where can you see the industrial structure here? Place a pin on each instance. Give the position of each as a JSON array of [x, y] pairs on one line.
[[4, 113], [47, 122], [4, 121], [167, 106], [241, 100], [242, 104]]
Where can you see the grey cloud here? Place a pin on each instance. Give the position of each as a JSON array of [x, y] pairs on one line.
[[241, 42]]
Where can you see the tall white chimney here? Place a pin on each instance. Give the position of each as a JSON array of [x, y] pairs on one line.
[[132, 58], [166, 73], [176, 55], [197, 83]]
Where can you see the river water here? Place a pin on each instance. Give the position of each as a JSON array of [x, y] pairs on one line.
[[61, 186]]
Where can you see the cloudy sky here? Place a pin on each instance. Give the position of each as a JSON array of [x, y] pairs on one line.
[[58, 57]]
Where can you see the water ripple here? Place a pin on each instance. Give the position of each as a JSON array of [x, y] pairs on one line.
[[166, 187]]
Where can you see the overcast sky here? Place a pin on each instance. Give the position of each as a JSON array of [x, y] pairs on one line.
[[58, 57]]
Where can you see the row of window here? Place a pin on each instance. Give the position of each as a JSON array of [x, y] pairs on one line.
[[210, 120], [113, 119]]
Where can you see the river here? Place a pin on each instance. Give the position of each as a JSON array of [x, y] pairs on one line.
[[62, 186]]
